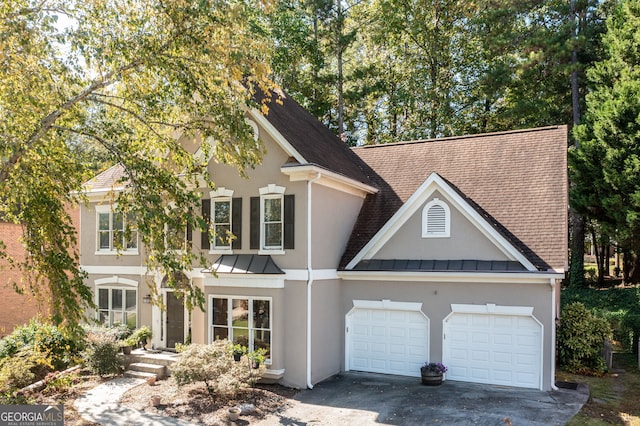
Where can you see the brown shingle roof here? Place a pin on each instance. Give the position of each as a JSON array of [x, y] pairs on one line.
[[312, 139], [109, 179], [517, 179]]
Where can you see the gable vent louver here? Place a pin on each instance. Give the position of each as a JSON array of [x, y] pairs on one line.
[[436, 220]]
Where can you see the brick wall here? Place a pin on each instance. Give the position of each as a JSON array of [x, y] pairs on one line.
[[17, 309]]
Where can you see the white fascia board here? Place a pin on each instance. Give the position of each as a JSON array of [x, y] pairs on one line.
[[119, 270], [244, 280], [453, 277], [275, 134], [328, 178], [423, 193]]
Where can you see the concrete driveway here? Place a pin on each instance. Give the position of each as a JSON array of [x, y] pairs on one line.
[[368, 399]]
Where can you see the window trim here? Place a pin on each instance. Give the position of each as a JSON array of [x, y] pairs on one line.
[[271, 192], [229, 325], [116, 283], [111, 210], [436, 202], [220, 194]]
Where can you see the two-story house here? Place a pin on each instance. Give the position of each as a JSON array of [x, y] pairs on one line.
[[375, 259]]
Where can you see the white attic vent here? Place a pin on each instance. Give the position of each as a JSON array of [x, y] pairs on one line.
[[436, 219]]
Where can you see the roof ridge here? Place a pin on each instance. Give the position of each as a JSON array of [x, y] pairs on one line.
[[468, 136]]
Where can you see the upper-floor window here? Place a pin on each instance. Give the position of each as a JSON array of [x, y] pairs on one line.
[[272, 220], [115, 230], [221, 223], [224, 214], [272, 223], [436, 219]]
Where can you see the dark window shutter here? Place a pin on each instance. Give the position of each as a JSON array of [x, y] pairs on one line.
[[254, 225], [206, 214], [189, 233], [289, 221], [236, 222]]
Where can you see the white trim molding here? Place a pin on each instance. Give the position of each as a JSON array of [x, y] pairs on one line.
[[490, 308], [387, 304], [470, 277], [124, 270], [306, 172], [221, 192], [244, 281], [116, 280]]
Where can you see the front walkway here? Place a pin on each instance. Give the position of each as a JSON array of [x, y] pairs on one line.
[[101, 405]]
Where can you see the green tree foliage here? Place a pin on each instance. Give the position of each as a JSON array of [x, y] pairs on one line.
[[134, 79], [606, 166], [580, 339]]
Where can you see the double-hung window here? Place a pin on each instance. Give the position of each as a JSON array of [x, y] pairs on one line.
[[112, 230], [117, 306], [272, 223], [241, 320], [221, 223]]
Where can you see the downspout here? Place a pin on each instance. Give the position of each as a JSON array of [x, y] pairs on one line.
[[309, 279], [554, 286]]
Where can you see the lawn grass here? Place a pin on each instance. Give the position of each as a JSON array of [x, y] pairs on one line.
[[614, 398]]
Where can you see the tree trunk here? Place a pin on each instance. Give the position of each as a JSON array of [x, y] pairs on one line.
[[576, 269]]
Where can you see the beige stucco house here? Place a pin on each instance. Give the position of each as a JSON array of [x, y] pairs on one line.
[[374, 259]]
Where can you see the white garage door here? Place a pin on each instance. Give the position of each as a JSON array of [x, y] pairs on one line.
[[387, 341], [494, 349]]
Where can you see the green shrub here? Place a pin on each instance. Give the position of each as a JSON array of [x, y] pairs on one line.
[[214, 365], [101, 355], [52, 346], [580, 339]]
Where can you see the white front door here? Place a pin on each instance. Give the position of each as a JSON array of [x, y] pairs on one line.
[[387, 341], [493, 349]]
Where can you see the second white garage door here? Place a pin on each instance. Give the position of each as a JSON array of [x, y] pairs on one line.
[[493, 349], [387, 341]]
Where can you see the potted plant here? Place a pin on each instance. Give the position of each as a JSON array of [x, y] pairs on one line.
[[238, 350], [257, 357], [142, 336], [432, 372], [128, 344]]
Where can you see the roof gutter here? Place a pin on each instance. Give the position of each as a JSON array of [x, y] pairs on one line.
[[309, 277]]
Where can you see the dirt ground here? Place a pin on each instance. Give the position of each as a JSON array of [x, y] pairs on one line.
[[190, 403]]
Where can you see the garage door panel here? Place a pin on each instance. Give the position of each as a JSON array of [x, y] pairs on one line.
[[397, 341], [498, 349]]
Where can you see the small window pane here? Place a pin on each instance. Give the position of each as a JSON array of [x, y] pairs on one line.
[[132, 242], [262, 340], [222, 211], [220, 333], [130, 297], [240, 313], [118, 221], [261, 314], [104, 240], [222, 235], [117, 318], [273, 235], [272, 209], [104, 318], [103, 298], [220, 312], [241, 336], [116, 299], [103, 221]]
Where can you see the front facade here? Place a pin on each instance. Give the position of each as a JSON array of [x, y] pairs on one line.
[[373, 259]]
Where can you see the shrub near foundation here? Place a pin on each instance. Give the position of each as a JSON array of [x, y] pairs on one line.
[[101, 354], [214, 366], [580, 339]]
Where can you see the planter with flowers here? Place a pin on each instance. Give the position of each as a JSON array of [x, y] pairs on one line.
[[432, 372]]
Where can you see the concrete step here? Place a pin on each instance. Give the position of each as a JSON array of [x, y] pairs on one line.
[[158, 370], [140, 374]]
